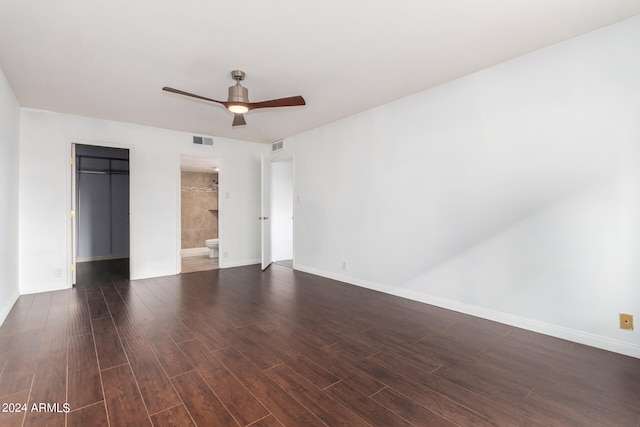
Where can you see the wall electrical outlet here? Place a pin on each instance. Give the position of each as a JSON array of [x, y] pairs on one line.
[[626, 321], [344, 265], [225, 254], [58, 273]]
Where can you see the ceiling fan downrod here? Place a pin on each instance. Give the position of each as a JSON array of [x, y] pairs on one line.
[[237, 92]]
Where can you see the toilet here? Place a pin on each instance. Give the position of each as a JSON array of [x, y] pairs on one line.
[[212, 244]]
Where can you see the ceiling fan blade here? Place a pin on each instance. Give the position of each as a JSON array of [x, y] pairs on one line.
[[181, 92], [238, 101], [292, 101], [238, 120]]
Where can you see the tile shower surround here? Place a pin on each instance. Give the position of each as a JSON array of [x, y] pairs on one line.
[[199, 208]]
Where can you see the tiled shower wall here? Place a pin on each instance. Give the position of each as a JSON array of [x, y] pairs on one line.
[[199, 208]]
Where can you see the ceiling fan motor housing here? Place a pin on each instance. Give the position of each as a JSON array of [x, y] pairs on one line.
[[238, 93]]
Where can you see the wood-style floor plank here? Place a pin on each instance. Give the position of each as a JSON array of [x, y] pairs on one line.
[[238, 400], [11, 416], [445, 398], [242, 347], [409, 410], [19, 355], [173, 417], [201, 403], [48, 392], [154, 385], [201, 330], [453, 410], [321, 405], [125, 406], [269, 421], [79, 318], [171, 358], [108, 345], [361, 381], [286, 409], [93, 415], [279, 350], [17, 376], [364, 407], [97, 305], [84, 384]]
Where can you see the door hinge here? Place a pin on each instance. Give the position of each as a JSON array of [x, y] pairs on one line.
[[73, 267], [73, 160], [73, 214]]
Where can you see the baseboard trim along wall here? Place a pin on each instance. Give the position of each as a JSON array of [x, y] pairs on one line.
[[8, 306], [101, 258], [194, 251], [152, 274], [227, 264], [55, 286], [592, 340]]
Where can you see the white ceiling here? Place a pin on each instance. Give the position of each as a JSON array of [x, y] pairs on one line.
[[110, 58]]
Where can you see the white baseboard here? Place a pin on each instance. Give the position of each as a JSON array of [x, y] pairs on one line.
[[53, 286], [194, 252], [139, 275], [8, 306], [227, 264], [135, 275], [592, 340], [100, 258]]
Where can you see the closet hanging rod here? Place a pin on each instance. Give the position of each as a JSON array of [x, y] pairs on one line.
[[88, 156], [94, 172]]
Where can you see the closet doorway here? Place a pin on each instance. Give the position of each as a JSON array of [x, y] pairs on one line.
[[102, 189]]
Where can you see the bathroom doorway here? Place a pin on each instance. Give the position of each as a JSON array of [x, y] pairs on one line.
[[199, 220], [100, 205]]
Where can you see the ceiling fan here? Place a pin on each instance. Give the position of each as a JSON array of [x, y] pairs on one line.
[[238, 101]]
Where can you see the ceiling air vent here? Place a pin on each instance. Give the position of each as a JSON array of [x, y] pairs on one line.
[[277, 146], [200, 140]]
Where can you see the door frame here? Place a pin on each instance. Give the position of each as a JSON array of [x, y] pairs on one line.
[[74, 211], [71, 209], [289, 157], [266, 253], [217, 161]]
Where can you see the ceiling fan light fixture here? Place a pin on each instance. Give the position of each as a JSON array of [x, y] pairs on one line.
[[238, 109], [238, 101]]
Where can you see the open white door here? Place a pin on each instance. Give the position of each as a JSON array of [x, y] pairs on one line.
[[74, 238], [265, 212]]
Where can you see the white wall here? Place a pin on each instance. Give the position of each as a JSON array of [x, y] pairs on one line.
[[9, 143], [45, 231], [282, 210], [512, 193]]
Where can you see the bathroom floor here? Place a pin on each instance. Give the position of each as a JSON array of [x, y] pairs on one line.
[[199, 263]]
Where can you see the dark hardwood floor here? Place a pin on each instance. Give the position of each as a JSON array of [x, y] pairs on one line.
[[241, 347]]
